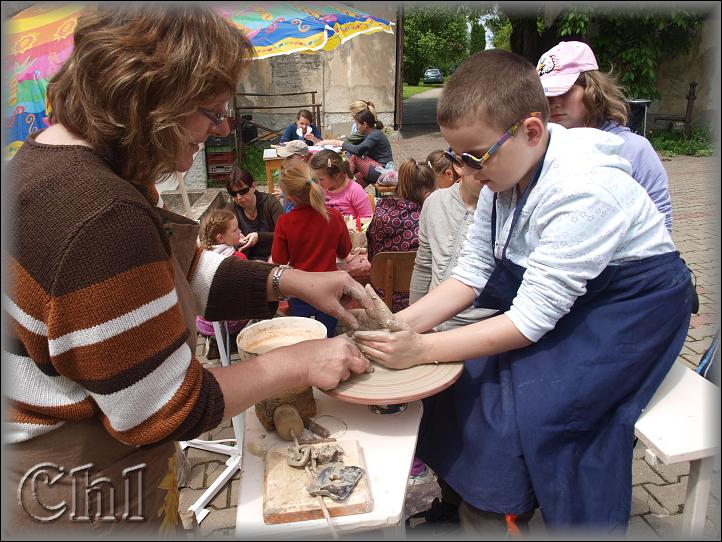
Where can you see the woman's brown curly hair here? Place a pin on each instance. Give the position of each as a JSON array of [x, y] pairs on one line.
[[135, 72]]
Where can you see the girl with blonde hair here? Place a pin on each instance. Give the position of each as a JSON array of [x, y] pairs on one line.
[[309, 237]]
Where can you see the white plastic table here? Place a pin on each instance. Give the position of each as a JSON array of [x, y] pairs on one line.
[[387, 442]]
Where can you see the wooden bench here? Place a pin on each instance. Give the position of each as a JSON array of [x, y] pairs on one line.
[[681, 423], [687, 117]]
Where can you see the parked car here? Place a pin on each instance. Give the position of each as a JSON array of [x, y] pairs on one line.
[[433, 75]]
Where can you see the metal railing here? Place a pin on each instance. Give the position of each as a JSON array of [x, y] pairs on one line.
[[266, 133]]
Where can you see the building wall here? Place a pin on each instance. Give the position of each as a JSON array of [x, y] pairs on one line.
[[363, 68], [701, 64]]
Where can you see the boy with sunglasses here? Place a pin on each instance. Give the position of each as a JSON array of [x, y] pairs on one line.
[[594, 308]]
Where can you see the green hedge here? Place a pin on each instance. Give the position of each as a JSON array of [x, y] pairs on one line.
[[673, 142]]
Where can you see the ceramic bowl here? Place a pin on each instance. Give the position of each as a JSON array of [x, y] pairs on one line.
[[266, 335]]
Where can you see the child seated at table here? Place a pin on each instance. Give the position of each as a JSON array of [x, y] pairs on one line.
[[368, 158], [332, 173], [219, 233], [444, 170], [395, 224], [356, 137], [302, 130], [310, 237], [292, 152]]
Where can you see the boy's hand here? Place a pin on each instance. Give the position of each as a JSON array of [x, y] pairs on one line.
[[386, 339], [399, 349]]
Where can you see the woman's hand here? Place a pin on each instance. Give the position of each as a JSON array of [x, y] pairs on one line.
[[387, 339], [312, 138], [326, 291], [329, 361], [331, 142], [250, 240]]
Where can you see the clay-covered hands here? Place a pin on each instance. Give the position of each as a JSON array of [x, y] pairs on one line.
[[377, 316], [329, 361], [387, 339], [327, 291]]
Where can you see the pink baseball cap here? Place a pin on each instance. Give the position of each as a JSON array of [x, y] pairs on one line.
[[561, 65]]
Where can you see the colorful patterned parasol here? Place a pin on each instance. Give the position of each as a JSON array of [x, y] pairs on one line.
[[40, 39], [282, 28]]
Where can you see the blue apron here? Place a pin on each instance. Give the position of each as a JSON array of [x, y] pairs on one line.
[[552, 424]]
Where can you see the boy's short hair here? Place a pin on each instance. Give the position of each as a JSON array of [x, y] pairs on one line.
[[498, 85]]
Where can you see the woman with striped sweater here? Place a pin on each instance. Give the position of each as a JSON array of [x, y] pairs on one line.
[[104, 286]]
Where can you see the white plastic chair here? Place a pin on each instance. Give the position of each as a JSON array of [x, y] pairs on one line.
[[234, 453]]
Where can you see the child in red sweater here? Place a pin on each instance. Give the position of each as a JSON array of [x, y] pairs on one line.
[[310, 237]]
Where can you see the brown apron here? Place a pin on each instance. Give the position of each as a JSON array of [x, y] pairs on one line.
[[78, 479]]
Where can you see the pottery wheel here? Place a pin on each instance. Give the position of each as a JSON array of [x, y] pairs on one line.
[[390, 386]]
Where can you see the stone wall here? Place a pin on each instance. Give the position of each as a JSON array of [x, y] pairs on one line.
[[195, 177], [202, 201], [363, 68], [701, 64]]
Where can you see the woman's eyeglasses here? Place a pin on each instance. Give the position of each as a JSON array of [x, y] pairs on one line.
[[477, 163], [241, 192], [217, 118]]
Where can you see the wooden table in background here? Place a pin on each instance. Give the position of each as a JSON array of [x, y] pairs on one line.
[[272, 162]]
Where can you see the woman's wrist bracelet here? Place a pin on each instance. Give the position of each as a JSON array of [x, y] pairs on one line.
[[276, 283]]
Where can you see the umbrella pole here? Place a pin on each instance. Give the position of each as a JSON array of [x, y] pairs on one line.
[[184, 194]]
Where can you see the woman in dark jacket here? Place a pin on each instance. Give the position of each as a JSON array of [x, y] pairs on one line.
[[257, 213]]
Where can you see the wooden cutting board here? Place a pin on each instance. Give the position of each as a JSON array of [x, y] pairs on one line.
[[285, 498]]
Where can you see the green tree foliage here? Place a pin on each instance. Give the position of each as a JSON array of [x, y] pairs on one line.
[[434, 37], [477, 35], [501, 26], [629, 43], [632, 44]]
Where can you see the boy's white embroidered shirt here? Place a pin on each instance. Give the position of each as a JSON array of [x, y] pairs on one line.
[[586, 212]]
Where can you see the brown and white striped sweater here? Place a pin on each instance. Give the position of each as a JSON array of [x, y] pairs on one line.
[[94, 324]]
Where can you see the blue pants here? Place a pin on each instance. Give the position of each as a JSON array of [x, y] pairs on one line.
[[301, 308]]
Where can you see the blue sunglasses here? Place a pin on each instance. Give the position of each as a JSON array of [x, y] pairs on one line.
[[477, 163]]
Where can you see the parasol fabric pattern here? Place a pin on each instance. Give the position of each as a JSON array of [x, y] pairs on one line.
[[40, 40], [283, 28]]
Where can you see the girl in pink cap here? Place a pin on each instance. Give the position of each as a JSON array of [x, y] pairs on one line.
[[580, 96]]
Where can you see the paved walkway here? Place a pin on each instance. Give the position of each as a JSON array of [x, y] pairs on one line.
[[658, 492]]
